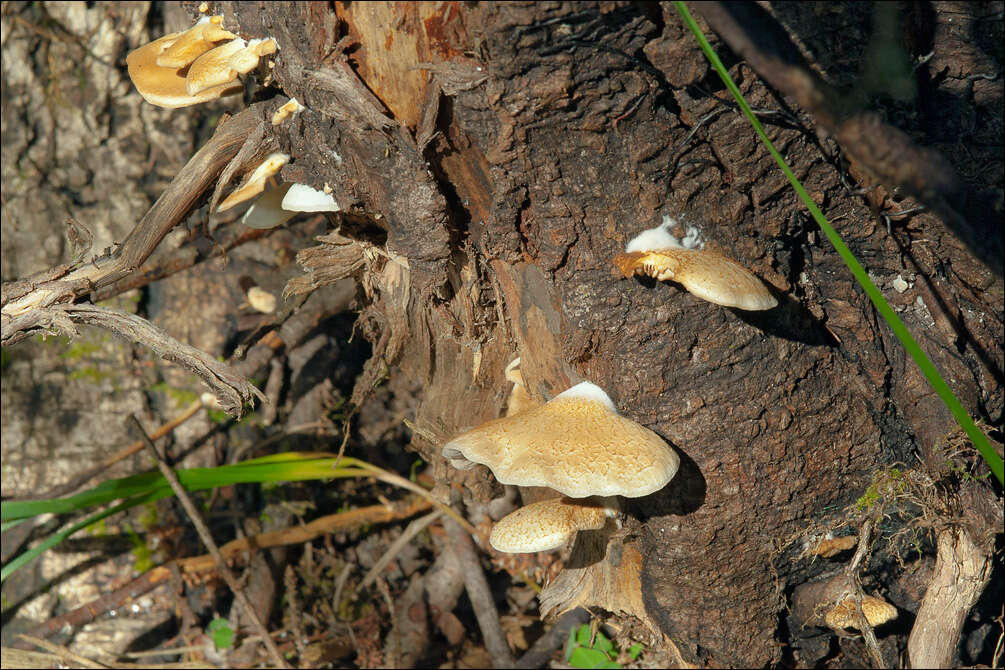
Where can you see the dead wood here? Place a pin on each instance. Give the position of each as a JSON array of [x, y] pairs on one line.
[[962, 571], [232, 389], [170, 208], [886, 152]]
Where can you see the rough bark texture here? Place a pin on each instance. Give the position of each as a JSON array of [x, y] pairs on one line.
[[509, 151], [492, 159]]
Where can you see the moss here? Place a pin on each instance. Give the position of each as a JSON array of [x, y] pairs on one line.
[[180, 396], [883, 484]]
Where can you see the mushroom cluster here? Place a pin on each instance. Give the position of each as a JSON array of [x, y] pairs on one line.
[[197, 65], [704, 273], [576, 444]]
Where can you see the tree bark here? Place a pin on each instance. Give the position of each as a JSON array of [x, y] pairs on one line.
[[500, 155]]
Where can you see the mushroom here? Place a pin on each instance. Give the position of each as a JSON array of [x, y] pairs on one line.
[[548, 524], [291, 108], [576, 443], [303, 198], [845, 614], [194, 42], [831, 546], [255, 183], [223, 63], [704, 273], [166, 87], [519, 399], [267, 211]]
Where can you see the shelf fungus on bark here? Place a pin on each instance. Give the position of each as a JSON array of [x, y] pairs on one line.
[[166, 87], [519, 399], [256, 182], [291, 108], [576, 444], [704, 273], [194, 42], [548, 524], [845, 613], [197, 65]]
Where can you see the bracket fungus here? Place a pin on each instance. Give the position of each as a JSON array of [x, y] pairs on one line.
[[291, 108], [255, 182], [845, 615], [548, 524], [704, 273], [576, 443], [166, 87], [197, 65], [194, 42], [519, 400]]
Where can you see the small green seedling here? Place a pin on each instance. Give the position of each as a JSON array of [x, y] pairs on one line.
[[600, 653], [221, 632]]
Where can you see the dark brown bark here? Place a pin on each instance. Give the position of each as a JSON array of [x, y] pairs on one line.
[[500, 155]]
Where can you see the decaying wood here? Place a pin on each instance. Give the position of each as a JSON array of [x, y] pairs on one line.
[[886, 152], [170, 208], [962, 571], [602, 572], [232, 389]]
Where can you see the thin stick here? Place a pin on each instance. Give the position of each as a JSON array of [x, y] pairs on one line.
[[480, 595], [868, 634], [207, 539], [410, 532], [124, 452], [332, 523]]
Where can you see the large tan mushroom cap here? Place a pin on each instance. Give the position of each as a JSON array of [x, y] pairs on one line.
[[194, 42], [706, 274], [576, 444], [546, 525], [166, 87], [844, 615]]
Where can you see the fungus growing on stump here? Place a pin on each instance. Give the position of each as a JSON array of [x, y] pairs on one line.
[[576, 443], [706, 274], [197, 65], [255, 182], [547, 524]]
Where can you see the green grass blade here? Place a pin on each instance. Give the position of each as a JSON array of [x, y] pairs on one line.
[[56, 538], [926, 366], [285, 467]]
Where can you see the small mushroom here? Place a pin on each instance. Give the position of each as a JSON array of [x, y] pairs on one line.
[[577, 444], [261, 300], [829, 547], [256, 181], [547, 524], [167, 87], [267, 211], [519, 400], [291, 108], [194, 42], [303, 198], [845, 614], [704, 273]]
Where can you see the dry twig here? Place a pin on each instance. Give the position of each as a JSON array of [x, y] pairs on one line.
[[207, 539]]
